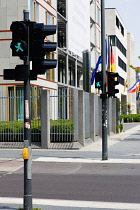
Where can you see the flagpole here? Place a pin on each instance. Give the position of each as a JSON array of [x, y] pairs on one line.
[[104, 95]]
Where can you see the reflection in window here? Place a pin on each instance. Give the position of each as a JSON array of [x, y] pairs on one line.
[[16, 103], [62, 103], [62, 70], [71, 75]]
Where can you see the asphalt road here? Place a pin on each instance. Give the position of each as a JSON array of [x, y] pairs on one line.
[[77, 181]]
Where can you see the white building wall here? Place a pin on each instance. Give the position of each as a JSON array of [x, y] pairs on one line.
[[95, 34], [112, 29], [131, 74], [78, 26]]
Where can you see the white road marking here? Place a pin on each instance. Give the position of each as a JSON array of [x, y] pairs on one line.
[[87, 160], [73, 203]]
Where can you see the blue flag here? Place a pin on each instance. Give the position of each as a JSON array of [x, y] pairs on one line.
[[137, 98], [95, 70], [100, 61]]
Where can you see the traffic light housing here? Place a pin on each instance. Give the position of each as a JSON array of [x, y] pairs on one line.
[[19, 44], [28, 41], [112, 82], [98, 80], [39, 48]]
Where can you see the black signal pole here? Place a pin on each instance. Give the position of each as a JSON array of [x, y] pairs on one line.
[[103, 96], [27, 132]]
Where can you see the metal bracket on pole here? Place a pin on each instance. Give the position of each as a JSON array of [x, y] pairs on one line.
[[103, 95]]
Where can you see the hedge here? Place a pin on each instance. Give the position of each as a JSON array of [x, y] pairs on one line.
[[131, 118], [13, 130]]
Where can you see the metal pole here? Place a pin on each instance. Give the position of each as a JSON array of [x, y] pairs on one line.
[[27, 133], [103, 96]]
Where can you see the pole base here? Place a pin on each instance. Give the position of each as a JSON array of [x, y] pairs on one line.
[[27, 202]]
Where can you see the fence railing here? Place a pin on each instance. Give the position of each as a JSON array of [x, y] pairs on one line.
[[12, 123], [62, 116]]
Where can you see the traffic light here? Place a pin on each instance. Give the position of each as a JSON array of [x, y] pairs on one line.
[[19, 44], [20, 73], [112, 82], [28, 41], [39, 48], [98, 80]]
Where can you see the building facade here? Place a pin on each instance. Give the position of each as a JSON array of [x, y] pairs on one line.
[[95, 34], [131, 74], [123, 49]]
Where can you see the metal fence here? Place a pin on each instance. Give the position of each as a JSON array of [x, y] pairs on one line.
[[12, 119], [62, 115]]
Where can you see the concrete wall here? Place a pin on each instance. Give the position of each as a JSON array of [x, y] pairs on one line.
[[87, 117]]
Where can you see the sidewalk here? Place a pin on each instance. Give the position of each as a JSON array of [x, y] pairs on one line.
[[122, 140]]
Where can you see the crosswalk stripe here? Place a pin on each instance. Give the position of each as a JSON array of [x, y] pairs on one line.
[[74, 203], [82, 160]]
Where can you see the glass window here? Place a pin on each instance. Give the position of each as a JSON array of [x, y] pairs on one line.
[[62, 70], [20, 103], [50, 21], [50, 73], [16, 103], [113, 40], [117, 22]]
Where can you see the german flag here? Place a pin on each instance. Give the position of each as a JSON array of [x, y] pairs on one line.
[[112, 61]]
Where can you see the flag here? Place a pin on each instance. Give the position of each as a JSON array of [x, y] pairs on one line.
[[108, 57], [137, 98], [98, 62], [95, 70], [135, 87], [112, 60], [107, 47]]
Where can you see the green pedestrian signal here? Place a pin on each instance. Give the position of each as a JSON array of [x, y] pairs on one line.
[[98, 80], [98, 84], [19, 44], [18, 47]]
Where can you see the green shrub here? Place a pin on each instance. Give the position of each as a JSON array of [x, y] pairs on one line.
[[32, 209], [121, 127], [13, 130], [62, 126], [131, 118], [117, 128]]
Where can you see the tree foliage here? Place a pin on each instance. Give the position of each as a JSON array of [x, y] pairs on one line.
[[134, 68]]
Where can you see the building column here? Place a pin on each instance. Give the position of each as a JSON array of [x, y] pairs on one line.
[[100, 116], [92, 115], [81, 117], [45, 119], [114, 108]]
